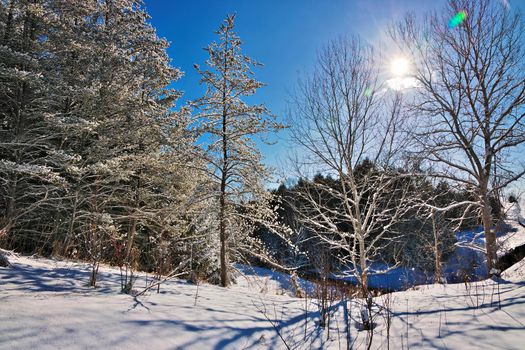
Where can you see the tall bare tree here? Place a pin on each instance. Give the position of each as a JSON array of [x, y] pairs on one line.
[[347, 127], [470, 98]]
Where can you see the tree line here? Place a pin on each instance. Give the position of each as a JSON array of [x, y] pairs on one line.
[[97, 163]]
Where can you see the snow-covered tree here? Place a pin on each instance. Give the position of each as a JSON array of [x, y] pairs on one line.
[[93, 154], [470, 99], [124, 154], [228, 126], [32, 161]]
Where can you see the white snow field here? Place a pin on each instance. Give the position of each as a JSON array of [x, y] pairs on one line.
[[44, 304]]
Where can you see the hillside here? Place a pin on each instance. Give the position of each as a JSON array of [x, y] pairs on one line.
[[46, 305]]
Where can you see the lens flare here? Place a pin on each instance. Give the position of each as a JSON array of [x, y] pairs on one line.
[[457, 19]]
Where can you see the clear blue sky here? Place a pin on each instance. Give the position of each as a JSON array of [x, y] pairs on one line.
[[284, 35]]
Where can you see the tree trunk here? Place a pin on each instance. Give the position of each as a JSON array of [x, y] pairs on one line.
[[490, 237], [4, 262], [9, 23], [132, 231], [94, 273], [362, 261], [225, 281], [11, 197], [222, 234], [71, 227], [222, 229], [131, 237], [437, 251]]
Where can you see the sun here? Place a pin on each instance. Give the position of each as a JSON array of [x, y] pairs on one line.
[[399, 67]]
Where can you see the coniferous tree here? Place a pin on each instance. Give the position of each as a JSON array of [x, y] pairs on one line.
[[32, 160], [88, 133], [229, 125], [124, 158]]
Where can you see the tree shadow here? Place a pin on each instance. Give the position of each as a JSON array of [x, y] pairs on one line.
[[74, 279]]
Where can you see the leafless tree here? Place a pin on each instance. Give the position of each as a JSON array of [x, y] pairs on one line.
[[348, 127], [469, 100]]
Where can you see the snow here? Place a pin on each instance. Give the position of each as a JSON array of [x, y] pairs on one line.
[[470, 247], [461, 316], [515, 273], [392, 278], [267, 281], [467, 262], [516, 234], [45, 304]]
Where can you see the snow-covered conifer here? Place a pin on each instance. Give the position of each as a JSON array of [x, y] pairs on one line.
[[228, 126]]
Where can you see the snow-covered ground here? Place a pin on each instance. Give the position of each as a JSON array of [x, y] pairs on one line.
[[469, 257], [392, 278], [267, 281], [44, 304], [516, 236]]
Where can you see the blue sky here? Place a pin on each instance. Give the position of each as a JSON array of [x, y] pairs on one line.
[[284, 35]]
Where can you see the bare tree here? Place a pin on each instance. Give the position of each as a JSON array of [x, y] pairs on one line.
[[347, 127], [470, 98]]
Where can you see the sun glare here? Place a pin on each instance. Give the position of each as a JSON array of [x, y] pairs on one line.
[[399, 67]]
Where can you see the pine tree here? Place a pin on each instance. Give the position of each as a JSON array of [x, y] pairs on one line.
[[88, 131], [125, 199], [32, 160], [228, 126]]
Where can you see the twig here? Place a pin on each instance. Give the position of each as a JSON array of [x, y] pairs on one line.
[[154, 284], [275, 327]]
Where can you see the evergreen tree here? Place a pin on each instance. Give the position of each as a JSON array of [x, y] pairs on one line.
[[88, 131], [229, 125], [32, 159], [123, 167]]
